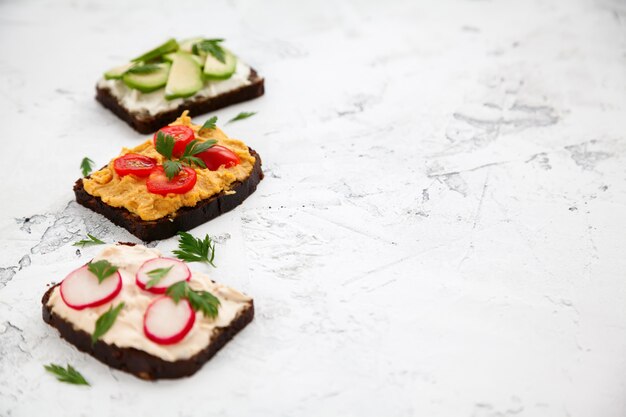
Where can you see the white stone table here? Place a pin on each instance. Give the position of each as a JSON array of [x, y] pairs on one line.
[[441, 230]]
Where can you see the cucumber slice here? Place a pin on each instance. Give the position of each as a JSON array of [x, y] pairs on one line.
[[198, 60], [170, 58], [170, 46], [216, 70], [117, 72], [187, 44], [185, 77], [147, 83]]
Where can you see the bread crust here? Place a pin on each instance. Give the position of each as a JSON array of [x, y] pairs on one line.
[[146, 123]]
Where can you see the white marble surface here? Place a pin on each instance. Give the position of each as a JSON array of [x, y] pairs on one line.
[[440, 232]]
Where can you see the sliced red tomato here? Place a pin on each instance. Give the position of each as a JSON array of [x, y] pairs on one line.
[[135, 164], [181, 134], [158, 183], [217, 155]]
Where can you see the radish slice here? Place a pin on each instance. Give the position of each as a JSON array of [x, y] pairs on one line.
[[179, 272], [81, 289], [166, 322]]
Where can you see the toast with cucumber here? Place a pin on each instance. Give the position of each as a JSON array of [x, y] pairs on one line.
[[198, 75]]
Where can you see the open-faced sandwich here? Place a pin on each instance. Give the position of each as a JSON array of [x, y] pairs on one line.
[[182, 177], [196, 74], [145, 314]]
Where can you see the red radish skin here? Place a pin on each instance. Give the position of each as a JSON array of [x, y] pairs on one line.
[[179, 272], [166, 322], [81, 289]]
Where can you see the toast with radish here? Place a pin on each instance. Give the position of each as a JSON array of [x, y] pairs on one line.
[[185, 175], [145, 314]]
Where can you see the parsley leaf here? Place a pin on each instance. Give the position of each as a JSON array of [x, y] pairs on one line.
[[143, 69], [241, 116], [209, 124], [86, 166], [165, 144], [202, 301], [210, 46], [177, 290], [193, 160], [171, 168], [105, 322], [69, 375], [91, 240], [193, 148], [102, 269], [191, 249], [156, 275]]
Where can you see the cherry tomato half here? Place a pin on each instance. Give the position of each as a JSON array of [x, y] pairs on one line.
[[134, 164], [181, 134], [158, 183], [217, 155]]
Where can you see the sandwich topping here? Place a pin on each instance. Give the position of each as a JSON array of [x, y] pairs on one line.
[[164, 77], [135, 298], [181, 165]]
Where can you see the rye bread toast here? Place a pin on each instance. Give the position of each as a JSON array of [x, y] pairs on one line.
[[143, 122], [183, 219]]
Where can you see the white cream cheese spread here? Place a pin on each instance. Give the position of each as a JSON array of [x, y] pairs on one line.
[[127, 331], [155, 102]]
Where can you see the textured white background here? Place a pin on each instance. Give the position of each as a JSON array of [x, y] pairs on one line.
[[440, 231]]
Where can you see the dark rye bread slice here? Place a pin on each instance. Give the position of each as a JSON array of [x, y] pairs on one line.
[[140, 363], [143, 122], [185, 218]]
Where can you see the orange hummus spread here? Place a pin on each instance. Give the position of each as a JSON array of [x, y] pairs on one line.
[[131, 193]]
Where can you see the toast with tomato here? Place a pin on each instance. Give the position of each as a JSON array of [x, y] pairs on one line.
[[198, 75], [145, 314], [184, 176]]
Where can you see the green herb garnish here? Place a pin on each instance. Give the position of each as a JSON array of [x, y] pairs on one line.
[[86, 166], [209, 124], [210, 46], [165, 146], [69, 375], [193, 148], [105, 322], [202, 301], [91, 240], [156, 275], [102, 269], [143, 69], [171, 168], [178, 290], [241, 116], [191, 249]]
